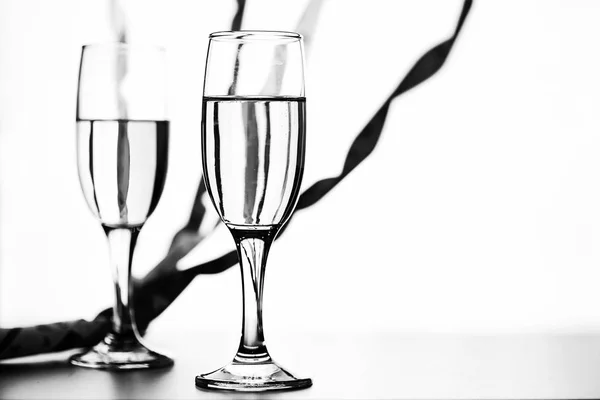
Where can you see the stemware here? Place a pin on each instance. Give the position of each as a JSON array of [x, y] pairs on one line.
[[253, 140], [122, 156]]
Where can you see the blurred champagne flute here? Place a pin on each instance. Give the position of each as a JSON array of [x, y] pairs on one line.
[[122, 155]]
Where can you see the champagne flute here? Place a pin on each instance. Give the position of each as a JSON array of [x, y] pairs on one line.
[[122, 154], [253, 139]]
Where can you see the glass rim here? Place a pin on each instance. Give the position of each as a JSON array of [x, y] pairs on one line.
[[121, 45], [257, 35]]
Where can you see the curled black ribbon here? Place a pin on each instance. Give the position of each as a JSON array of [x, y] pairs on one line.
[[157, 291]]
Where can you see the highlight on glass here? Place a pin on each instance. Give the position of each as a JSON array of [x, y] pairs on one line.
[[253, 140], [122, 156]]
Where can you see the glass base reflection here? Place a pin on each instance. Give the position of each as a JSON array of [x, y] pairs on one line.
[[246, 377], [120, 354]]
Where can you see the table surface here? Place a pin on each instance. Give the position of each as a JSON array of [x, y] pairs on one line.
[[356, 366]]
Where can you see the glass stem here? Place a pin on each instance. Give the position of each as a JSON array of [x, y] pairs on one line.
[[121, 242], [253, 248]]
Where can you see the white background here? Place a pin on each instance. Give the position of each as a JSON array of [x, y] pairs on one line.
[[479, 210]]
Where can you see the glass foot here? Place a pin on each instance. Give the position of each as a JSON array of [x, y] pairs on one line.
[[120, 354], [251, 378]]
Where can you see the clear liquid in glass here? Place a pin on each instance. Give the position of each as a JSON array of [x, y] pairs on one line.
[[254, 157], [122, 168]]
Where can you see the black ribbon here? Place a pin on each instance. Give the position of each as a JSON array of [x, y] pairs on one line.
[[156, 292], [367, 139]]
